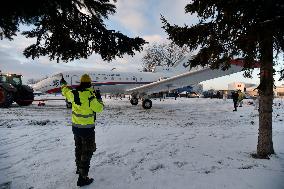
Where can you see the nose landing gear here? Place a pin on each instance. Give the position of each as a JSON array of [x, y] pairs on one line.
[[134, 101]]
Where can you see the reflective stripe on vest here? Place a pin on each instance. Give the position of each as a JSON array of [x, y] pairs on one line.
[[83, 116], [83, 126]]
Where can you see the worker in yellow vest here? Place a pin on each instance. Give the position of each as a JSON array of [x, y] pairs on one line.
[[85, 104], [240, 98]]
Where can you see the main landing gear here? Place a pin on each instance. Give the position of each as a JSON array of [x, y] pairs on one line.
[[146, 103]]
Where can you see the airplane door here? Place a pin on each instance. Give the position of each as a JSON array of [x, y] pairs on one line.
[[134, 79], [73, 80]]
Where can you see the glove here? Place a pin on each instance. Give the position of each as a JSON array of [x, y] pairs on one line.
[[98, 94], [62, 81]]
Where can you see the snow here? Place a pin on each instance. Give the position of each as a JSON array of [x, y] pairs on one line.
[[185, 143]]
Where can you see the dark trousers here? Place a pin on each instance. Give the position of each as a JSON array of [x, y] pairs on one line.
[[235, 104], [84, 148]]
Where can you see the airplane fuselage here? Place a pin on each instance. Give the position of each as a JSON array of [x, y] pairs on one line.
[[107, 82]]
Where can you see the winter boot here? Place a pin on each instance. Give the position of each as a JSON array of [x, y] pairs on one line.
[[84, 181]]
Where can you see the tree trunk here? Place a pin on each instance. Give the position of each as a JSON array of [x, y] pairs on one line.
[[265, 143]]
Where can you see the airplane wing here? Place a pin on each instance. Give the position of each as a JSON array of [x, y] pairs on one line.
[[183, 80]]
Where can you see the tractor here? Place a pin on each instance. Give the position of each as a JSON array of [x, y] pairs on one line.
[[12, 90]]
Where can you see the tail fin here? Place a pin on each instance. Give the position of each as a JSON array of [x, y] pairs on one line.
[[183, 62], [181, 66]]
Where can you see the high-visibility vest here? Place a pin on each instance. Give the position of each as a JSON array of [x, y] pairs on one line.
[[84, 106], [241, 96]]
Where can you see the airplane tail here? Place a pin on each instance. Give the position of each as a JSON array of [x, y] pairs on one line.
[[180, 66], [183, 64]]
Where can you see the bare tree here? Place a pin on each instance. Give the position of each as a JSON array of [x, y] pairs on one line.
[[32, 81], [165, 54]]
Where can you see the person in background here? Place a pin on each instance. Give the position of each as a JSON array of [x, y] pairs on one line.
[[241, 97], [85, 104], [218, 95], [256, 100], [225, 95], [235, 97], [176, 94]]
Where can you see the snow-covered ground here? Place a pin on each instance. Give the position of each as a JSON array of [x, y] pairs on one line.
[[178, 144]]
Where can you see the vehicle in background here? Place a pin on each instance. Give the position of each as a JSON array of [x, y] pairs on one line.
[[12, 90]]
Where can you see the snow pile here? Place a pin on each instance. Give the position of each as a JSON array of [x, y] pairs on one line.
[[183, 143]]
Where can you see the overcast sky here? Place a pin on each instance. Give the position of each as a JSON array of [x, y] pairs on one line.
[[133, 18]]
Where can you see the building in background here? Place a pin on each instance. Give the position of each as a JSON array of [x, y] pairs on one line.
[[279, 91], [236, 86], [250, 89]]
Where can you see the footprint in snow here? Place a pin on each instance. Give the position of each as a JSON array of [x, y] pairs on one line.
[[156, 168], [180, 164]]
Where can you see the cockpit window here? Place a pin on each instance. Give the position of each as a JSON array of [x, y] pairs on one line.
[[3, 78], [17, 81]]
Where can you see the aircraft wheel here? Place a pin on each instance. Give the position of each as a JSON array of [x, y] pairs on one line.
[[134, 101], [147, 104]]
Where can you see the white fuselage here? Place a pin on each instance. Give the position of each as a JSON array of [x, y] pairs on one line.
[[112, 82]]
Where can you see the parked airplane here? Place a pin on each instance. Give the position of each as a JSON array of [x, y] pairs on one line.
[[139, 84]]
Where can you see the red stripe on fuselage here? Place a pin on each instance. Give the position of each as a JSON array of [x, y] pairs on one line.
[[55, 90], [58, 89]]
